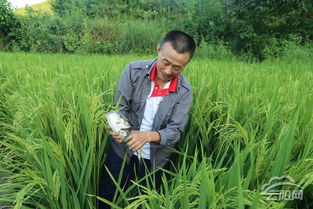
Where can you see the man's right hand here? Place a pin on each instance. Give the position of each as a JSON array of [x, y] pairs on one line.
[[115, 135]]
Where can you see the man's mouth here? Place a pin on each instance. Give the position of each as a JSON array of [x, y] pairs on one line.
[[166, 77]]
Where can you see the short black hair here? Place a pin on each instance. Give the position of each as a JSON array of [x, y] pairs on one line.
[[181, 42]]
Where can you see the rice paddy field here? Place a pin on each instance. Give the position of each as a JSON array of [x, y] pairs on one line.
[[250, 124]]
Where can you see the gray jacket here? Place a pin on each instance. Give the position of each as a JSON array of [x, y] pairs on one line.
[[132, 92]]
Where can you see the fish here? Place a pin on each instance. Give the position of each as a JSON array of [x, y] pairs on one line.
[[120, 124]]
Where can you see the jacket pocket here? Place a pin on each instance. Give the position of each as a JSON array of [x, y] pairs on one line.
[[167, 118]]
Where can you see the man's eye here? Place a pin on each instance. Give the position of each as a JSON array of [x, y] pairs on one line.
[[177, 69]]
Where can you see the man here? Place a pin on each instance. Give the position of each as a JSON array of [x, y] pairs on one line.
[[155, 98]]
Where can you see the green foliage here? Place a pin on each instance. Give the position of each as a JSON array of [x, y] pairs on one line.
[[217, 51], [7, 19], [58, 164], [69, 7], [252, 25], [250, 28], [102, 36], [203, 19], [248, 123], [48, 33], [8, 24], [253, 29], [121, 8], [139, 37]]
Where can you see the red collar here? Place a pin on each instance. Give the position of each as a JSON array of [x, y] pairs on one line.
[[163, 92]]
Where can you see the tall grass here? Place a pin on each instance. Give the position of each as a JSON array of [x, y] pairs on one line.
[[135, 37], [248, 123]]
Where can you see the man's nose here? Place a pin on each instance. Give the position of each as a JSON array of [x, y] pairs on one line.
[[168, 70]]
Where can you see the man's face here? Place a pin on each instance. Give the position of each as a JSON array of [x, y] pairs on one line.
[[170, 63]]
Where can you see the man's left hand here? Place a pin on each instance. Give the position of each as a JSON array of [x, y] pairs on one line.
[[137, 139]]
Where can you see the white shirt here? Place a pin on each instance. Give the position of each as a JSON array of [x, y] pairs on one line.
[[152, 105]]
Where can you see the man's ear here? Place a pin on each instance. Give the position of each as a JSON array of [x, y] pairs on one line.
[[158, 48]]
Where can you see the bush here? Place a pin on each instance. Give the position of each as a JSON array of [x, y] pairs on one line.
[[102, 36], [36, 34], [261, 28], [52, 34], [9, 23], [289, 49], [251, 29], [138, 37], [213, 51]]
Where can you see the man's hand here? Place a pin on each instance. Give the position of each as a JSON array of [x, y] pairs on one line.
[[115, 135], [137, 139]]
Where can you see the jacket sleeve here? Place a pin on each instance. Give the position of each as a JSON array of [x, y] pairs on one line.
[[124, 91], [175, 127]]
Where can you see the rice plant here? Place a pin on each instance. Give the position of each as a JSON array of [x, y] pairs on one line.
[[249, 122]]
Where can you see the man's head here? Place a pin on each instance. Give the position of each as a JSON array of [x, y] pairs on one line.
[[174, 52]]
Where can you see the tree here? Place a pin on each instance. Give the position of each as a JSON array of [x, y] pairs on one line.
[[8, 21], [253, 25], [9, 25], [69, 7]]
